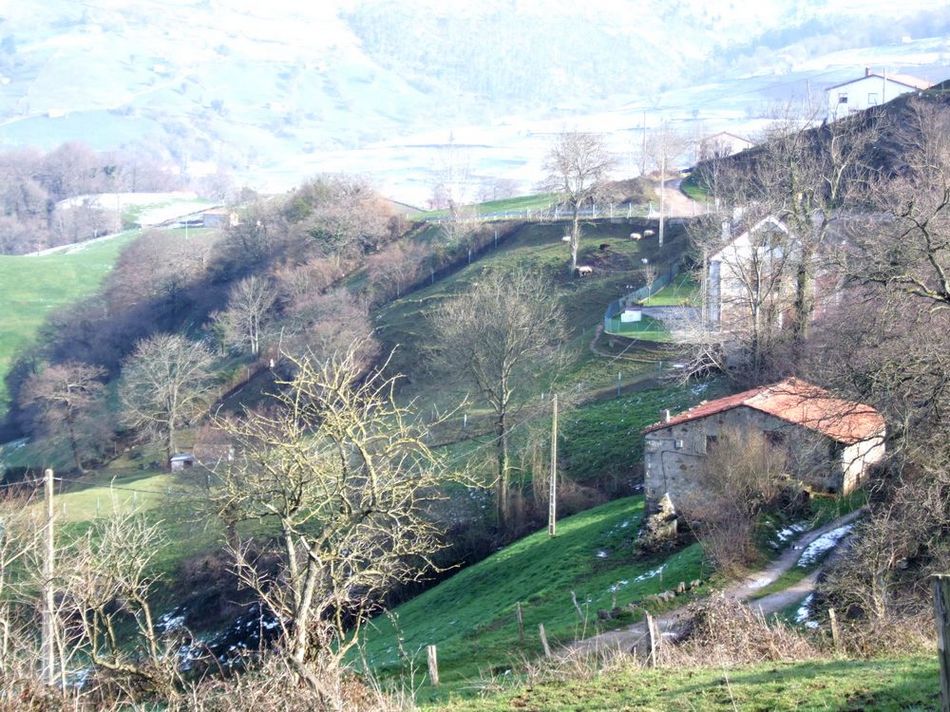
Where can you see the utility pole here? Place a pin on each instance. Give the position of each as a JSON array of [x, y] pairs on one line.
[[552, 490], [49, 652], [662, 190]]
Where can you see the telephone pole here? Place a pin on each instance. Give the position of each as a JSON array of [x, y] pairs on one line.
[[49, 651], [552, 490]]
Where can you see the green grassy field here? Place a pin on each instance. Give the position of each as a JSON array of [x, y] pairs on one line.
[[404, 323], [32, 287], [471, 616], [647, 329], [680, 292], [886, 685]]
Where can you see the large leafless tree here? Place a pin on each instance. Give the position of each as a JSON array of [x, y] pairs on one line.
[[67, 402], [578, 165], [497, 338], [344, 473], [166, 383]]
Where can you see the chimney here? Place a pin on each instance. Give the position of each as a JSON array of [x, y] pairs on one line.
[[666, 415], [867, 71]]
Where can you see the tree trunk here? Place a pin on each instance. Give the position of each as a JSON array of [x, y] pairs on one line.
[[501, 489], [575, 237], [803, 303]]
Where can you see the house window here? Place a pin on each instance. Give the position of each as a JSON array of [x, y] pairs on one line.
[[775, 438], [711, 441], [872, 99], [842, 98]]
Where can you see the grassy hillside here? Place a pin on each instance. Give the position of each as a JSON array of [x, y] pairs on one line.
[[404, 323], [32, 287], [901, 684], [471, 616]]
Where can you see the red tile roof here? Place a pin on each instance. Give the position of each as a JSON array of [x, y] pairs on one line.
[[797, 402]]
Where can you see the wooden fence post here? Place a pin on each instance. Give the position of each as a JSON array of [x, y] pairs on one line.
[[544, 640], [942, 615], [519, 615], [433, 665], [835, 631], [653, 635]]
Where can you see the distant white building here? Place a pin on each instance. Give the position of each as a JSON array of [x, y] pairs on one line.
[[870, 90], [721, 145]]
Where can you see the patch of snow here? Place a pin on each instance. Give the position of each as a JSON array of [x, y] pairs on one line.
[[617, 586], [646, 576], [823, 544], [803, 614], [787, 533], [601, 554]]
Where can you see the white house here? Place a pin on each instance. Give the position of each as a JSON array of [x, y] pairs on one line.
[[746, 262], [721, 145], [870, 90]]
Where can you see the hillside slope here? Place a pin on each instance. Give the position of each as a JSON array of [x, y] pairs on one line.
[[471, 616]]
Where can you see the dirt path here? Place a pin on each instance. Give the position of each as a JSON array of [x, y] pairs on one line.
[[634, 636], [676, 204]]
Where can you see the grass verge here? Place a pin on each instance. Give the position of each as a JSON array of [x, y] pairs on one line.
[[888, 685]]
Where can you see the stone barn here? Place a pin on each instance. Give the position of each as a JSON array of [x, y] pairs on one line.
[[831, 442]]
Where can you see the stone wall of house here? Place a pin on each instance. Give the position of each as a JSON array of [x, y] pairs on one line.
[[674, 457]]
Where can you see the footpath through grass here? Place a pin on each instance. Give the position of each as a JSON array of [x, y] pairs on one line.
[[33, 287], [885, 685], [471, 616]]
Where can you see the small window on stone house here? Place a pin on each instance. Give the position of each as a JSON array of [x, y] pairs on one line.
[[711, 441], [775, 438], [842, 98]]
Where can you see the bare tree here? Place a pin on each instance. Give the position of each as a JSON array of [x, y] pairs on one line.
[[498, 338], [578, 165], [105, 609], [905, 244], [346, 475], [250, 309], [66, 397], [166, 382], [742, 479], [805, 176]]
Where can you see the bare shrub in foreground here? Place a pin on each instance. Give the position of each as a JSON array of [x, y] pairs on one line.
[[722, 631]]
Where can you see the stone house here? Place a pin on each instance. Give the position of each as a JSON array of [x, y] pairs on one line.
[[831, 442]]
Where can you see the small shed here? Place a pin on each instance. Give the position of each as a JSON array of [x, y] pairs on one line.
[[181, 461]]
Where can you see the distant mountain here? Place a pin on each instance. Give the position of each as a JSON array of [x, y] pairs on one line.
[[275, 91]]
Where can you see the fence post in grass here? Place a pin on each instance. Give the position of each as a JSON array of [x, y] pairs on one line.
[[519, 616], [433, 665], [835, 631], [544, 640], [653, 638], [942, 615]]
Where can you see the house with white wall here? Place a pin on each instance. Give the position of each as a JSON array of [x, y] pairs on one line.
[[872, 89]]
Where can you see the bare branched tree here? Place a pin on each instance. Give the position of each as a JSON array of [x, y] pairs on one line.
[[497, 338], [166, 382], [578, 165], [105, 608], [742, 479], [345, 474], [65, 397], [244, 324]]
